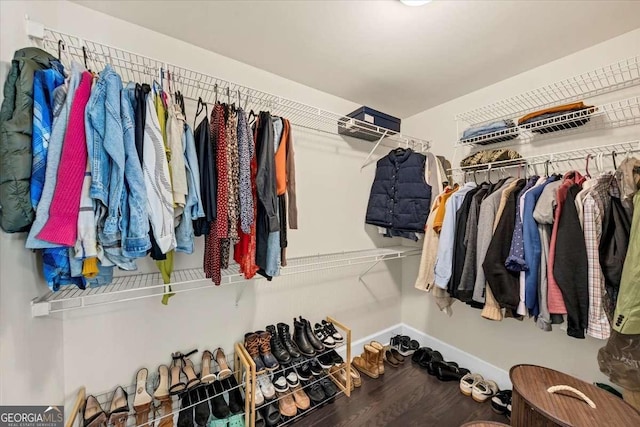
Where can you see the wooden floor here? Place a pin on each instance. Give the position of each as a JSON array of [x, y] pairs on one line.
[[406, 396]]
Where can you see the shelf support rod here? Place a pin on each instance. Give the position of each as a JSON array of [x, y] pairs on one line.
[[369, 269], [374, 149]]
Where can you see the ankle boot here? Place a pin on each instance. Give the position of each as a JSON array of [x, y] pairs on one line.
[[301, 339], [270, 362], [367, 363], [380, 348], [236, 402], [277, 347], [313, 340], [252, 344], [185, 417], [285, 337], [219, 407]]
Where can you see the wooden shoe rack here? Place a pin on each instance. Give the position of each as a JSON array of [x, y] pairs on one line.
[[251, 382]]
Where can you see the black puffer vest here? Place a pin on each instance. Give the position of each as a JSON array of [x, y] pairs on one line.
[[400, 198]]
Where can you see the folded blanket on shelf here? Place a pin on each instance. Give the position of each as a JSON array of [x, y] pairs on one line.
[[560, 120], [488, 156], [557, 109]]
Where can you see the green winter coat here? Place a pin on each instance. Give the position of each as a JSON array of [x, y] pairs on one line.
[[16, 121]]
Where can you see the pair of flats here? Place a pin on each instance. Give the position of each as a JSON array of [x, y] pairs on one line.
[[478, 388]]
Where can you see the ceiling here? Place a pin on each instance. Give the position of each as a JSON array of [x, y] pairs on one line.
[[383, 54]]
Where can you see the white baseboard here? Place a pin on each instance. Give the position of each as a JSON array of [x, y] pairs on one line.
[[449, 352]]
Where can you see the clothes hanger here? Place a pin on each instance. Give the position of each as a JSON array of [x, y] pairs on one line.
[[201, 106], [613, 156], [586, 168], [546, 167], [215, 89]]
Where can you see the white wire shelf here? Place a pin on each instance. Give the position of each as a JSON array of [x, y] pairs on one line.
[[620, 75], [137, 286], [613, 115], [620, 149], [194, 85]]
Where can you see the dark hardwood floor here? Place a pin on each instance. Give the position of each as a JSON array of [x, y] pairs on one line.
[[406, 396]]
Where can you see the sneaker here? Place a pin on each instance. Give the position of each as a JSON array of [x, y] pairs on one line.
[[337, 359], [315, 367], [324, 336], [468, 382], [404, 345], [266, 387], [259, 397], [332, 331], [325, 360], [292, 379], [280, 384], [304, 371], [501, 401], [484, 390]]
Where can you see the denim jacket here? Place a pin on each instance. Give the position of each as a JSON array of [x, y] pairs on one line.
[[135, 218]]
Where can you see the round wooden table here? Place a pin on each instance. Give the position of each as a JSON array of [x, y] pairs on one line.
[[533, 405]]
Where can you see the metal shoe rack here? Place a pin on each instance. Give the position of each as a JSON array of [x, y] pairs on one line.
[[626, 112], [252, 379], [237, 361]]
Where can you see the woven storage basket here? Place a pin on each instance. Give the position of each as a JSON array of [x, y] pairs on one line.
[[534, 404]]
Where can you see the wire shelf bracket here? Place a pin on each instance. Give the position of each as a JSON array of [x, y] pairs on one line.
[[138, 286]]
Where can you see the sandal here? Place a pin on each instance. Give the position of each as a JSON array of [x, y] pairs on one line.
[[93, 415], [119, 409], [395, 353], [177, 385], [404, 345], [162, 391], [142, 400], [206, 376], [189, 371], [225, 372]]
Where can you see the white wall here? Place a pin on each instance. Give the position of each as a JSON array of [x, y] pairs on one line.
[[45, 360], [511, 342]]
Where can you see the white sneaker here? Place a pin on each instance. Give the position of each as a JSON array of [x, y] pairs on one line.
[[259, 397], [266, 387], [280, 384], [484, 390], [292, 379], [468, 382]]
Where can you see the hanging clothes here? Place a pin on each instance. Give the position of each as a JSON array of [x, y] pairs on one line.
[[206, 153]]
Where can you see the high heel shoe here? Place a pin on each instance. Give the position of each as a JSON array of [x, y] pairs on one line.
[[206, 376], [189, 371], [92, 414], [162, 391], [177, 385], [119, 409], [142, 400], [225, 372]]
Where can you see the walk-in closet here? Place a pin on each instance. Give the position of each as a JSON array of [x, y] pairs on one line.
[[319, 213]]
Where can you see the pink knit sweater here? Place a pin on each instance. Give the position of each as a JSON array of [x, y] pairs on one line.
[[62, 226]]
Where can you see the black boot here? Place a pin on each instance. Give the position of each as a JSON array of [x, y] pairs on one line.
[[202, 411], [313, 340], [185, 417], [236, 402], [219, 407], [285, 337], [301, 339], [277, 348]]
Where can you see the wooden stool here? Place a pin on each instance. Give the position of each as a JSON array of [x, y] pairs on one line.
[[484, 424], [580, 404]]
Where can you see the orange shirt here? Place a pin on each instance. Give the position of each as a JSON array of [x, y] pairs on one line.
[[281, 159], [439, 218]]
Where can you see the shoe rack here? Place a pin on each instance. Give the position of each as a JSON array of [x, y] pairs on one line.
[[240, 368], [251, 382]]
